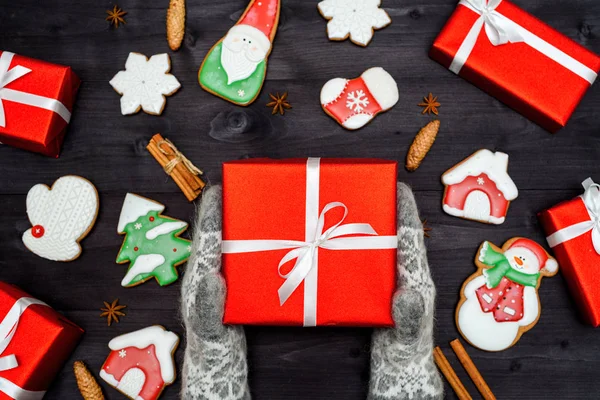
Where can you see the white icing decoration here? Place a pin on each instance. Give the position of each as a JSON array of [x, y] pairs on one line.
[[164, 228], [144, 264], [480, 181], [241, 93], [108, 378], [477, 206], [66, 213], [494, 165], [145, 83], [357, 121], [382, 86], [461, 213], [123, 353], [244, 47], [357, 18], [132, 383], [134, 207], [332, 90], [531, 306], [356, 101], [164, 342], [487, 298], [509, 311]]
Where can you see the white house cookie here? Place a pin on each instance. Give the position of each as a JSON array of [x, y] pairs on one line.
[[140, 364], [479, 188], [145, 83], [500, 301], [61, 216], [356, 19]]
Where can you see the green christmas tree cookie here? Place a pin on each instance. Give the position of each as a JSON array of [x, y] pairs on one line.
[[152, 244]]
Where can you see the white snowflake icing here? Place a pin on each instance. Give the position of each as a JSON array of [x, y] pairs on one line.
[[241, 92], [354, 18], [123, 353], [138, 226], [357, 101], [145, 83], [480, 181]]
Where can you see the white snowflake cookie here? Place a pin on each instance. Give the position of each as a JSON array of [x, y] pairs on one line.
[[356, 19], [355, 102], [60, 216], [145, 83]]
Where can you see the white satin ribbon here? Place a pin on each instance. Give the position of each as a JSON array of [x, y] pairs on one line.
[[7, 76], [591, 199], [8, 327], [501, 30], [306, 253]]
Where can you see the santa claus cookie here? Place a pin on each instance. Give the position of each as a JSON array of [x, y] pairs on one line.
[[145, 83], [479, 188], [500, 301], [61, 217], [355, 102], [235, 68], [356, 19], [140, 364]]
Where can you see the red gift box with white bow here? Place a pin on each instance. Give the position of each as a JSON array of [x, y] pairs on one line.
[[573, 232], [518, 59], [309, 242], [36, 341], [36, 101]]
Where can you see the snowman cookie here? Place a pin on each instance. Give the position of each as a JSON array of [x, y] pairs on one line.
[[500, 301], [61, 217], [355, 102]]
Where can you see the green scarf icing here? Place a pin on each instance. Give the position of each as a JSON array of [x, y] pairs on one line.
[[504, 270]]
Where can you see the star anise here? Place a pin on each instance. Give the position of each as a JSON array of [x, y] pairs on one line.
[[426, 229], [431, 104], [115, 16], [279, 103], [112, 311]]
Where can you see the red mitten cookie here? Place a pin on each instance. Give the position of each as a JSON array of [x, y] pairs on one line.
[[355, 102]]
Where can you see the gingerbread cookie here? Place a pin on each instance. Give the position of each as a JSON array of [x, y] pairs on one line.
[[235, 68], [500, 301], [152, 243], [145, 83], [356, 19], [355, 102], [140, 364], [479, 188], [61, 217]]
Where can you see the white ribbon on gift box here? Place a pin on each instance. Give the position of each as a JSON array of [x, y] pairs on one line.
[[8, 327], [500, 30], [591, 199], [7, 76], [306, 253]]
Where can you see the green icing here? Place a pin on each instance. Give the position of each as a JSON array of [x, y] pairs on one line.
[[175, 250], [213, 77], [501, 268]]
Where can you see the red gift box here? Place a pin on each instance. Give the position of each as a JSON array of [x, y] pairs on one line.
[[37, 341], [36, 100], [518, 59], [309, 242], [573, 229]]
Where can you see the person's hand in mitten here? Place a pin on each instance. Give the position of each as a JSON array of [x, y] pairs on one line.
[[215, 366], [401, 358]]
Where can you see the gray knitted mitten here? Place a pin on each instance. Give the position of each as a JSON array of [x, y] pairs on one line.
[[215, 357], [402, 357]]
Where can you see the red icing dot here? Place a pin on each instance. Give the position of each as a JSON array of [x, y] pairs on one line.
[[135, 248], [151, 219], [37, 231], [174, 250]]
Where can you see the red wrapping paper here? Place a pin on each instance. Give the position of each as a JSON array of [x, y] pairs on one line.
[[32, 128], [578, 260], [515, 73], [43, 341], [266, 199]]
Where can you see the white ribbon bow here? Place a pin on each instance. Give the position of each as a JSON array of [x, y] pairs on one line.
[[591, 199], [7, 76], [8, 327], [306, 252], [501, 30]]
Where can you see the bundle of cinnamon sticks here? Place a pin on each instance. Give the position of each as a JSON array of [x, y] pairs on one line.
[[184, 173]]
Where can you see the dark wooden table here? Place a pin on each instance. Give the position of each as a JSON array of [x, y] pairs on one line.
[[557, 359]]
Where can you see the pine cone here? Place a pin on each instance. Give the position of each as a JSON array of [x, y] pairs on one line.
[[89, 388], [175, 23], [421, 145]]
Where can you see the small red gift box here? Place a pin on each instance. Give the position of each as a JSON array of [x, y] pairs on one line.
[[573, 229], [518, 59], [36, 100], [36, 343], [309, 242]]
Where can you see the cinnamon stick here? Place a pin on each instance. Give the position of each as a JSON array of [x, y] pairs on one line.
[[444, 366], [193, 181], [472, 370]]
